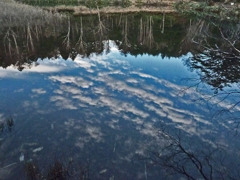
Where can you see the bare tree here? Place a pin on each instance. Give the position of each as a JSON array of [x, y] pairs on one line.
[[183, 158], [216, 58]]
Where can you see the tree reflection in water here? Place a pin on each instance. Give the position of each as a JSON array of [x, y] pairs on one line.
[[191, 159], [57, 171], [216, 58], [215, 55], [135, 34]]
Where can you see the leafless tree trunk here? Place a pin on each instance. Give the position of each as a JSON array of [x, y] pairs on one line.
[[66, 40]]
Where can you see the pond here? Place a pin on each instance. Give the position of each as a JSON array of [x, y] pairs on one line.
[[135, 96]]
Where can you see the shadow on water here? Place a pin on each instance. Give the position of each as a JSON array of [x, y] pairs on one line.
[[6, 125], [57, 171]]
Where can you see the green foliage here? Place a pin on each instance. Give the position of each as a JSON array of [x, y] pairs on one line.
[[206, 11], [139, 3], [93, 3], [123, 3]]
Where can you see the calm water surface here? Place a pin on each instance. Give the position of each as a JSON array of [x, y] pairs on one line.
[[116, 104]]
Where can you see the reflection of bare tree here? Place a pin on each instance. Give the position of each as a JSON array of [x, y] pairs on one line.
[[163, 23], [6, 125], [149, 31], [192, 162], [19, 44], [194, 33], [8, 44], [216, 58], [70, 36], [146, 32], [141, 32], [101, 27], [80, 41], [66, 40], [216, 54], [29, 39], [125, 33], [56, 171], [22, 30]]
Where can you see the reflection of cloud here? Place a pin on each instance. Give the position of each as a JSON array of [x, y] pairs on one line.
[[149, 130], [41, 66], [85, 100], [116, 72], [158, 111], [44, 69], [10, 72], [63, 102], [179, 118], [68, 89], [84, 63], [134, 91], [70, 123], [113, 124], [19, 90], [112, 102], [100, 91], [90, 133], [80, 82], [94, 132], [143, 75], [117, 107], [132, 81], [39, 91], [154, 99]]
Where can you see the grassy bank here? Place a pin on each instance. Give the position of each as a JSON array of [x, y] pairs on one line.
[[87, 3], [22, 26], [16, 14], [82, 10], [98, 3], [220, 11], [82, 7]]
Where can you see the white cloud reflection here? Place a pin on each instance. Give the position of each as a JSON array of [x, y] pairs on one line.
[[103, 98], [73, 80], [39, 91], [40, 66], [154, 103]]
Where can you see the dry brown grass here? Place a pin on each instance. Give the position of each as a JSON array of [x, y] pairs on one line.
[[17, 14], [82, 10]]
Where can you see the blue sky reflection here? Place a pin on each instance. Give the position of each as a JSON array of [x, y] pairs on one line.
[[109, 102]]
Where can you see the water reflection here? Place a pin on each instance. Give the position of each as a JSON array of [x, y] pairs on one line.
[[6, 124], [109, 102], [217, 52], [215, 47], [216, 60], [106, 108], [134, 34]]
